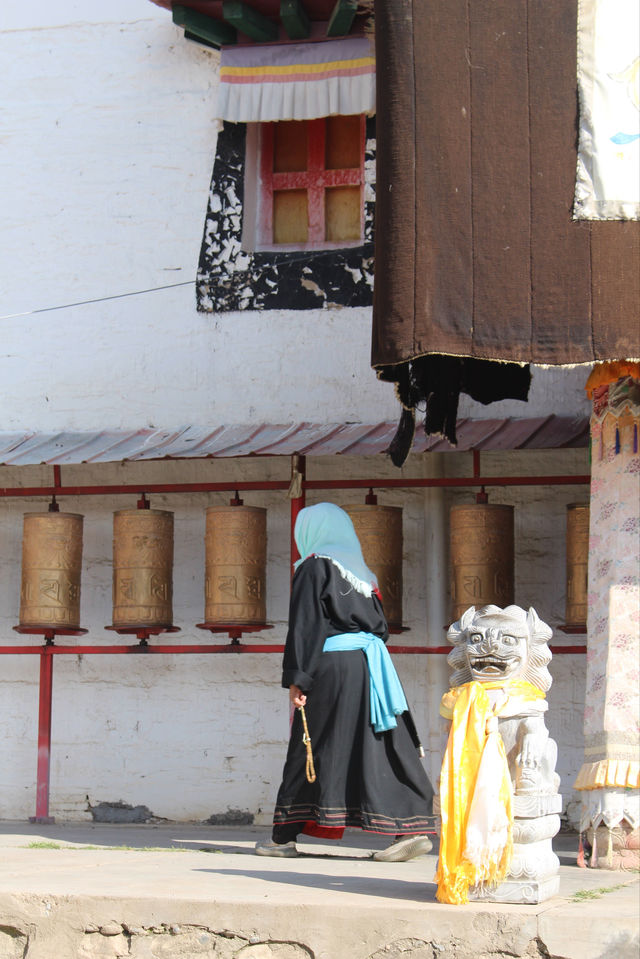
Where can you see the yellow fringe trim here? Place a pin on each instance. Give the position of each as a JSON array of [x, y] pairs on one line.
[[621, 773]]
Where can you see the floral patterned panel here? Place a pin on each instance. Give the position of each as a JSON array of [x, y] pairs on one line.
[[612, 687]]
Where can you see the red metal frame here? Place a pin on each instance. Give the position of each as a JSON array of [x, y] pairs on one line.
[[45, 700], [231, 647], [560, 479], [235, 631], [44, 739], [298, 472]]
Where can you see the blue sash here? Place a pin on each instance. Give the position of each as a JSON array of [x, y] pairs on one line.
[[386, 696]]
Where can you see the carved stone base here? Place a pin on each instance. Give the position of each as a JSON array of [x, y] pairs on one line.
[[532, 805], [536, 890], [616, 848], [533, 861], [533, 830], [533, 874]]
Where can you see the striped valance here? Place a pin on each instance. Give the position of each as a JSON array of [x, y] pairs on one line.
[[297, 81]]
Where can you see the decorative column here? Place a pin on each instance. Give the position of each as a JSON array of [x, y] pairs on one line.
[[609, 777]]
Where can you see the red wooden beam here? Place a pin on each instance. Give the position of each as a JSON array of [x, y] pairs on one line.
[[298, 474], [444, 481], [44, 737], [220, 648], [436, 481]]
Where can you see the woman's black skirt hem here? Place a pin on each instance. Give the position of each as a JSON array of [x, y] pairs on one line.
[[352, 818]]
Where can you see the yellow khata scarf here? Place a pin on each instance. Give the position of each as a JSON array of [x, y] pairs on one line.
[[475, 791]]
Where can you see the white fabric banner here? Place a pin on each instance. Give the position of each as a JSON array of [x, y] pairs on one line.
[[608, 173]]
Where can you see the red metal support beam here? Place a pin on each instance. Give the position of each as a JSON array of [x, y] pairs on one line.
[[297, 470], [298, 498], [44, 737], [136, 489], [233, 647], [436, 481], [452, 481]]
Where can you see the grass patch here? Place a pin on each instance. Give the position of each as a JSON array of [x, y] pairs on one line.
[[584, 894], [44, 844]]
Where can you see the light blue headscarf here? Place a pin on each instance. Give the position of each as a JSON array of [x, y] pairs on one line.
[[326, 530]]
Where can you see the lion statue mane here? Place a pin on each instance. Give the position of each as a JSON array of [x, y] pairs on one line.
[[519, 644]]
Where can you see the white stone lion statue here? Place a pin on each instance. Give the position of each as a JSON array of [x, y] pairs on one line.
[[508, 649]]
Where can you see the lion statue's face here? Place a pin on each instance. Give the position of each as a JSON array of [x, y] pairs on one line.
[[496, 652], [500, 644]]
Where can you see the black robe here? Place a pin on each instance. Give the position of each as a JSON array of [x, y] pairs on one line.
[[370, 780]]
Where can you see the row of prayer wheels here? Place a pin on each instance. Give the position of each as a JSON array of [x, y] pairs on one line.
[[482, 559], [236, 551]]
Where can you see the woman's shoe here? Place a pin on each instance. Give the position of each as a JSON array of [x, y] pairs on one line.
[[285, 850], [410, 847]]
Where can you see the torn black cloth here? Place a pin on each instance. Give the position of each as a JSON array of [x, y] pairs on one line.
[[437, 382]]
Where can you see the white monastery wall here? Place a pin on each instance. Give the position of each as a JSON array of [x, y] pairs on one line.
[[106, 165], [109, 134], [108, 146]]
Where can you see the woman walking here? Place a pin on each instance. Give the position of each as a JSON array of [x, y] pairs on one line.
[[336, 666]]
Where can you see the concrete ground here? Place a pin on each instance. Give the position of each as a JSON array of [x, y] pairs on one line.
[[178, 891]]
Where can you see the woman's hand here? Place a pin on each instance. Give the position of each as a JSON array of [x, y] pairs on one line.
[[296, 696]]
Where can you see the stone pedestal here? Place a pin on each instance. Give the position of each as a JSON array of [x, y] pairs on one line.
[[519, 890], [533, 875]]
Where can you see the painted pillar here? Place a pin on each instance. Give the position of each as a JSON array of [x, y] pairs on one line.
[[437, 619], [609, 777]]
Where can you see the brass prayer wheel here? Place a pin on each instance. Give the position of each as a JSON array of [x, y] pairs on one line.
[[51, 568], [235, 565], [577, 563], [379, 529], [142, 568], [481, 556]]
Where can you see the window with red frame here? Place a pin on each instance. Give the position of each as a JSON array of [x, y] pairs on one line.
[[311, 184]]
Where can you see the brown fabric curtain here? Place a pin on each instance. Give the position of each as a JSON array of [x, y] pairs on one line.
[[477, 254]]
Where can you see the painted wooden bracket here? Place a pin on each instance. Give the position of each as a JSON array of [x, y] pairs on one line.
[[249, 21], [294, 19], [342, 18], [198, 26], [201, 40]]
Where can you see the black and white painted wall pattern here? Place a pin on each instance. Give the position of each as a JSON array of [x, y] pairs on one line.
[[231, 278]]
